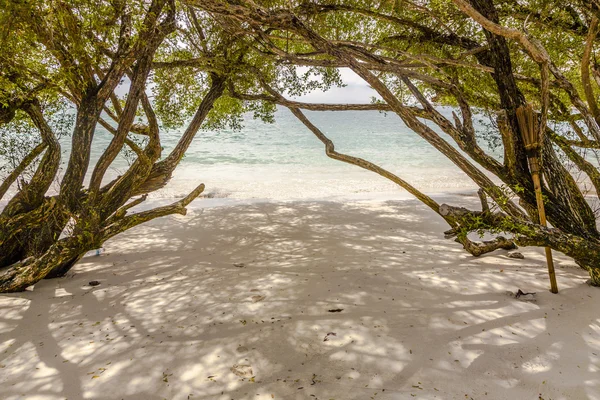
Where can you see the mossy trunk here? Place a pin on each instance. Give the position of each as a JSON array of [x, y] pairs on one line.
[[64, 253], [65, 266], [594, 276], [24, 273], [585, 251], [590, 261]]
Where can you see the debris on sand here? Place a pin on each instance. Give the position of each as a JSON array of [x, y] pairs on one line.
[[242, 370], [329, 334]]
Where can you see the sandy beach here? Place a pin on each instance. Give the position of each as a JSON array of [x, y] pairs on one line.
[[301, 300], [252, 199]]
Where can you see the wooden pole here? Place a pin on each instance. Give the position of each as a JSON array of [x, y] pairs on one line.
[[537, 184], [530, 133]]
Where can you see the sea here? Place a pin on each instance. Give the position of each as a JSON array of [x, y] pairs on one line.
[[285, 161]]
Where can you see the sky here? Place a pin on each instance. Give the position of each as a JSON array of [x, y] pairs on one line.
[[356, 91]]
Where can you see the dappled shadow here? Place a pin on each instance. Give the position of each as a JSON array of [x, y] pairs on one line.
[[184, 300]]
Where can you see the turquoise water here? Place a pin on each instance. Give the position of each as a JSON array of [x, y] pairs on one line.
[[285, 161], [371, 135]]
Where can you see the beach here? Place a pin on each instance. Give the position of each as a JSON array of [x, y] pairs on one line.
[[281, 200], [345, 299]]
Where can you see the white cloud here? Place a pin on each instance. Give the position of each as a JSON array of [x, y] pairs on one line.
[[356, 91]]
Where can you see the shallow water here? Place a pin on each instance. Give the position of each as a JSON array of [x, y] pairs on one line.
[[285, 160]]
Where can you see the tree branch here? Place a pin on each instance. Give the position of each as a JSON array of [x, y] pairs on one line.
[[585, 69], [27, 160], [116, 226], [31, 195], [584, 251], [161, 172]]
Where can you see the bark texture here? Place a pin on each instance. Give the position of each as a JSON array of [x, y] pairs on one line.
[[31, 245], [386, 66]]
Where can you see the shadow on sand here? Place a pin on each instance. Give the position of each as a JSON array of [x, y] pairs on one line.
[[174, 317]]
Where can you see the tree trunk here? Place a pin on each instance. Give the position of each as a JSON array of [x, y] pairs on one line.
[[61, 255], [585, 252], [24, 273], [61, 270]]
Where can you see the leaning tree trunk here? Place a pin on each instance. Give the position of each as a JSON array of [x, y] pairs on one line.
[[97, 221], [28, 208], [153, 176], [585, 252], [33, 269]]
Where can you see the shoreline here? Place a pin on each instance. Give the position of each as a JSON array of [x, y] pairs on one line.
[[232, 302], [208, 200]]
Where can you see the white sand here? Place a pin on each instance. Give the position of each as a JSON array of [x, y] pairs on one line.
[[421, 318]]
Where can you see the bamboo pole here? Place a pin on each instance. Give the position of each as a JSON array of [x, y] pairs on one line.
[[533, 144]]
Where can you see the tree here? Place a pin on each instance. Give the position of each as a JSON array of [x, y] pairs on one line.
[[72, 55], [484, 57], [206, 62]]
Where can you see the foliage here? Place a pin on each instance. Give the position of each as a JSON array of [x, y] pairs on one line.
[[193, 64]]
